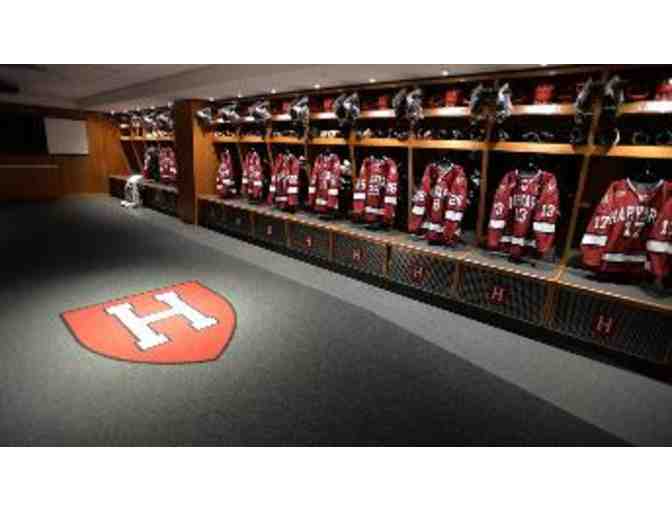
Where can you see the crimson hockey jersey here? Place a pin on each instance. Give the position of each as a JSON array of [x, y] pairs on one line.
[[524, 213], [325, 183], [615, 240], [284, 187], [252, 185], [167, 165], [659, 244], [226, 180], [439, 204], [375, 192]]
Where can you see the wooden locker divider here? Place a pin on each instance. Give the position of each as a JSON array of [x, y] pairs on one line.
[[485, 161], [585, 168]]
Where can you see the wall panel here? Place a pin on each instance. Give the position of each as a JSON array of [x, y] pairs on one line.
[[75, 174]]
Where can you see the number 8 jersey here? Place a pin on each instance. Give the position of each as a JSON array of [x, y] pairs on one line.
[[616, 237]]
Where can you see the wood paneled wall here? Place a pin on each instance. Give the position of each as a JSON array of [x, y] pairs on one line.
[[75, 174], [196, 158]]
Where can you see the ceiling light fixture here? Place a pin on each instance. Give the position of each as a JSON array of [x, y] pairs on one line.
[[445, 72], [240, 94], [372, 80], [543, 65], [273, 91], [317, 85]]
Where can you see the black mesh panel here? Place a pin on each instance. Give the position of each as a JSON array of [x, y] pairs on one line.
[[615, 325], [421, 271], [514, 296], [360, 254], [309, 240]]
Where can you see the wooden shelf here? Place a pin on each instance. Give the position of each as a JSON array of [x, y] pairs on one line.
[[328, 141], [448, 111], [464, 145], [542, 270], [635, 151], [463, 111], [288, 140], [251, 139], [544, 109], [540, 148], [158, 185], [225, 139], [381, 142], [323, 116], [377, 114], [285, 117], [159, 139], [646, 108], [147, 139]]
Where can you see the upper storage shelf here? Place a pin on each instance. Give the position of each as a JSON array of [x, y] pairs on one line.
[[646, 108]]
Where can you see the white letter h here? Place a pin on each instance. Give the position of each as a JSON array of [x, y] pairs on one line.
[[146, 337]]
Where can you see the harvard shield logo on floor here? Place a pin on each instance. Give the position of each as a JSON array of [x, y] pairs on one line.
[[184, 323]]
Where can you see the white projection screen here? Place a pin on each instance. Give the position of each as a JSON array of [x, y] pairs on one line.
[[65, 136]]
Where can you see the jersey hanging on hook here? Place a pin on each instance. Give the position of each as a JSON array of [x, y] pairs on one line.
[[376, 190], [524, 212], [325, 183], [225, 183], [439, 204], [616, 238], [659, 245], [253, 177], [283, 190]]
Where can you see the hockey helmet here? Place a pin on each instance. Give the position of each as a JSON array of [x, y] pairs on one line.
[[503, 105]]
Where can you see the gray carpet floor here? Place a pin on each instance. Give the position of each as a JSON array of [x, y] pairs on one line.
[[304, 367]]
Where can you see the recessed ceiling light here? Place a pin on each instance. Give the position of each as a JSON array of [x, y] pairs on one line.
[[273, 91], [240, 94], [317, 85], [111, 112], [543, 65], [372, 80], [445, 72], [211, 99]]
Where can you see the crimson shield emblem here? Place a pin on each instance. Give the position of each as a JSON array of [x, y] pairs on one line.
[[184, 323]]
